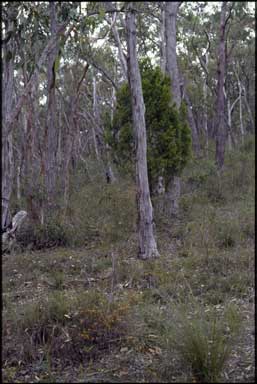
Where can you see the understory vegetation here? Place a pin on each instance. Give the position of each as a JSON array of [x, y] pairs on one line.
[[79, 306]]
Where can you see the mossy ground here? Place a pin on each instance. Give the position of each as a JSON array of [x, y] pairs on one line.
[[95, 313]]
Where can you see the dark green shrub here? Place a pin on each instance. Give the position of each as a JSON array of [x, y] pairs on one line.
[[168, 134]]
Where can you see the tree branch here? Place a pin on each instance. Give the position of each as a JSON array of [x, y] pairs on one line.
[[47, 50]]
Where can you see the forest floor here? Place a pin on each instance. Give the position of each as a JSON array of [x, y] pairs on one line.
[[99, 314]]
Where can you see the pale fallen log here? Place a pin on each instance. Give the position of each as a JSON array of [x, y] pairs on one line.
[[8, 237]]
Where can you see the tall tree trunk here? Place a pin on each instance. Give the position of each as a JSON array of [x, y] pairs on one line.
[[220, 106], [51, 123], [147, 243], [7, 138], [171, 9]]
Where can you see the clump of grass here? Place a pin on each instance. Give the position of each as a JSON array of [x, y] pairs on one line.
[[58, 279], [203, 338], [227, 233]]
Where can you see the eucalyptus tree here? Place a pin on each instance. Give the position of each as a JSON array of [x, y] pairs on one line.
[[147, 242], [9, 47], [171, 10]]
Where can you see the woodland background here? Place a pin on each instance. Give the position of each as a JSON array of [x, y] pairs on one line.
[[80, 302]]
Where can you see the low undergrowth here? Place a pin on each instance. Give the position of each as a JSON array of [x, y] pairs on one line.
[[94, 312]]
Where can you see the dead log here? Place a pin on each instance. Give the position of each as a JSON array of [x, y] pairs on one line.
[[8, 235]]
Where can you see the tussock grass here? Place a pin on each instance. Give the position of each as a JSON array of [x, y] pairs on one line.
[[203, 338]]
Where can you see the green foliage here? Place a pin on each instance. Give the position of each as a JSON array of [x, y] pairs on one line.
[[168, 134], [38, 236]]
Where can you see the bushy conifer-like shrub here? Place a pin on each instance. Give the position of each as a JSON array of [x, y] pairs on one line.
[[168, 134]]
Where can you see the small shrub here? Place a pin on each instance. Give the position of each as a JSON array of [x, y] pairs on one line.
[[39, 236]]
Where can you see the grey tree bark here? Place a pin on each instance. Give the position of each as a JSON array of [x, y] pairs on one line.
[[163, 42], [51, 132], [29, 127], [7, 107], [191, 120], [8, 237], [240, 88], [122, 57], [205, 94], [230, 108], [147, 243], [171, 10], [220, 104]]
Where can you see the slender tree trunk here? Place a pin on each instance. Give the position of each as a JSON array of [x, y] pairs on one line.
[[51, 123], [171, 9], [205, 114], [220, 106], [147, 243], [242, 131], [191, 120], [230, 109], [229, 126], [241, 115], [163, 43], [121, 54], [18, 179], [97, 128], [72, 131], [7, 138]]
